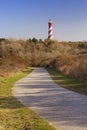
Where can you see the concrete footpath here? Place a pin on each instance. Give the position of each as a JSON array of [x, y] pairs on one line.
[[64, 109]]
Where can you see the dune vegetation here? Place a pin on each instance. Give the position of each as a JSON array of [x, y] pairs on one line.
[[67, 57]]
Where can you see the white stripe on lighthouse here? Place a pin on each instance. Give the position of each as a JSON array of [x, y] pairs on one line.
[[50, 28]]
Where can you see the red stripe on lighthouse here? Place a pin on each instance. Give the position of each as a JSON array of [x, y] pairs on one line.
[[50, 29]]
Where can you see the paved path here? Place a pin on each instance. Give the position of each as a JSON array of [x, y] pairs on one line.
[[64, 109]]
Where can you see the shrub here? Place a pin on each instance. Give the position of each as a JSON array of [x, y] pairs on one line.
[[65, 56]]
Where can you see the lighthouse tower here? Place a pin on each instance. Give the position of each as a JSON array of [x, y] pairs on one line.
[[50, 29]]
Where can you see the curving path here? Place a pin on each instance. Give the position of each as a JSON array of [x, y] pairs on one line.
[[64, 109]]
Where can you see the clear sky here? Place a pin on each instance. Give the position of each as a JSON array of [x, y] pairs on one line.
[[29, 18]]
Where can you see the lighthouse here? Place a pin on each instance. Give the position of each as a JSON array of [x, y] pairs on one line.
[[50, 29]]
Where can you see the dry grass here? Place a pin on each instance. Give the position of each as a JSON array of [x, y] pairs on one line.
[[72, 84]]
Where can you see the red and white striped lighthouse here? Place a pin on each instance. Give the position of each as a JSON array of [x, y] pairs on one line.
[[50, 29]]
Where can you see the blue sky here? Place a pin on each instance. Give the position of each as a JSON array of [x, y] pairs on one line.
[[29, 18]]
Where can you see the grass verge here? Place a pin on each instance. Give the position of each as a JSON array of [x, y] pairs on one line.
[[14, 115], [73, 84]]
